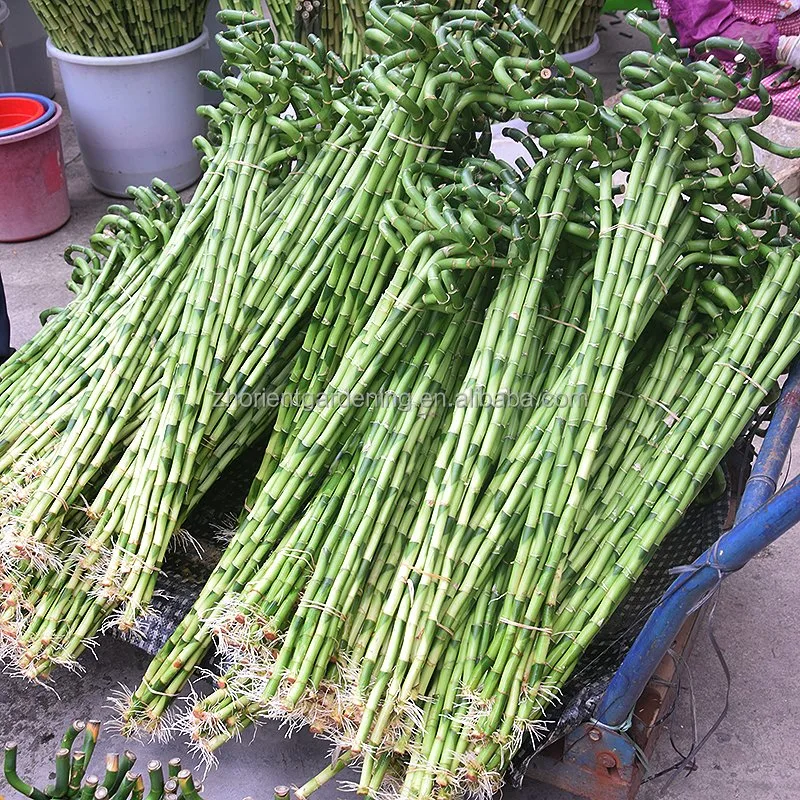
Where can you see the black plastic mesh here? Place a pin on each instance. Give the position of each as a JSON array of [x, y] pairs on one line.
[[701, 526], [195, 552]]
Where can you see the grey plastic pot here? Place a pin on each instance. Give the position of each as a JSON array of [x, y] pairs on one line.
[[212, 56], [135, 116], [6, 75], [27, 41]]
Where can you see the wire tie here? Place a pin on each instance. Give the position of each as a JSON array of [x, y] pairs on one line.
[[747, 377], [248, 164], [323, 607], [432, 575], [513, 624], [711, 561], [624, 726], [335, 146], [629, 227], [672, 417], [561, 322], [445, 629], [156, 692], [390, 135], [661, 282], [402, 304], [58, 497]]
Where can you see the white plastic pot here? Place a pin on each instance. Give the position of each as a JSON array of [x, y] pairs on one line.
[[579, 56], [135, 116]]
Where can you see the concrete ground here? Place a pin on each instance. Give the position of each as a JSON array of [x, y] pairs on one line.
[[752, 756]]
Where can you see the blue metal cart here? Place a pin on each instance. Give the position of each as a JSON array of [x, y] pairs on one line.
[[603, 759]]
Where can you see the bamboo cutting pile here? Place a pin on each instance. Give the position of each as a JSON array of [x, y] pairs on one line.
[[506, 384], [73, 779], [120, 27]]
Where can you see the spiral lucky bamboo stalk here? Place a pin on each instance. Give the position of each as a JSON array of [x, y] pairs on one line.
[[74, 779], [342, 24], [288, 478]]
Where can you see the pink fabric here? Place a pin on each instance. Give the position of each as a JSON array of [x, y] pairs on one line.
[[757, 22]]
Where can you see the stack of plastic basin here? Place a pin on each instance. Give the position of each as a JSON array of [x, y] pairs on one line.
[[33, 188]]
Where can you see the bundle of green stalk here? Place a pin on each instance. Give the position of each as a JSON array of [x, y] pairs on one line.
[[418, 583], [331, 21], [125, 383], [343, 24], [74, 781], [279, 252], [289, 484], [281, 13], [48, 389], [570, 24], [583, 26], [291, 20], [120, 27], [566, 23], [419, 586]]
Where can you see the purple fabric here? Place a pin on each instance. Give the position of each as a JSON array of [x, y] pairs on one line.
[[758, 22], [696, 20], [764, 38]]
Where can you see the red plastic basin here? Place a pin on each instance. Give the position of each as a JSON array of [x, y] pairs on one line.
[[16, 111]]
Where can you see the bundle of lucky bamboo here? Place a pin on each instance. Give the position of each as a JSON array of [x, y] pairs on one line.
[[521, 376], [280, 249], [423, 605], [569, 24]]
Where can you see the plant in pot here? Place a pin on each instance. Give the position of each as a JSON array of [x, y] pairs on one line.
[[130, 76]]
